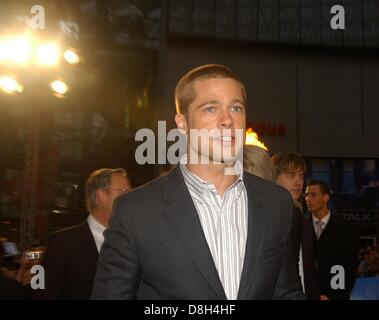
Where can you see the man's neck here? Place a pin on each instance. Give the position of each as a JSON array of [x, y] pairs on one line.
[[215, 174], [100, 217], [321, 214]]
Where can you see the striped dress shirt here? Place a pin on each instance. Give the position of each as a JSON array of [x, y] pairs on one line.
[[224, 223]]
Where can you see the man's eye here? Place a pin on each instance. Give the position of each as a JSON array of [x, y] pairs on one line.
[[209, 109], [236, 109]]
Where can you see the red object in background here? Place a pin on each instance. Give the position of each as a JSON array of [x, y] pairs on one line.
[[282, 130], [271, 129]]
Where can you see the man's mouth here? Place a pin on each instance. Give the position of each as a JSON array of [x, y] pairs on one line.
[[226, 138]]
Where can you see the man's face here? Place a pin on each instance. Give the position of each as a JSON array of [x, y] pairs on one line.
[[119, 185], [316, 201], [218, 110], [293, 181]]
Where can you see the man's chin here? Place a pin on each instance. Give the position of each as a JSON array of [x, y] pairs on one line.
[[296, 196], [226, 161]]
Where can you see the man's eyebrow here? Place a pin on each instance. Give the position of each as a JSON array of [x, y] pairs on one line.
[[238, 101], [208, 102], [218, 102]]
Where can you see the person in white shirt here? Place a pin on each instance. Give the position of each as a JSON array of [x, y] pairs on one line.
[[102, 187], [71, 257]]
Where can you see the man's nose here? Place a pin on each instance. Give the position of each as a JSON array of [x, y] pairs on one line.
[[225, 119], [298, 180]]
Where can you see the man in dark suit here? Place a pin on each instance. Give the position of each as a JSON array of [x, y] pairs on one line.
[[202, 231], [291, 168], [337, 245], [71, 256]]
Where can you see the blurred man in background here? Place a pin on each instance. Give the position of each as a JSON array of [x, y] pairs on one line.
[[290, 170], [71, 257]]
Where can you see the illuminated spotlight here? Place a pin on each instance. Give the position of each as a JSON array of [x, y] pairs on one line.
[[15, 50], [59, 87], [71, 56], [48, 55], [10, 85], [3, 51]]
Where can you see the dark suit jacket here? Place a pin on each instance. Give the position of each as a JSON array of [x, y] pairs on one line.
[[338, 245], [304, 237], [155, 247], [70, 264]]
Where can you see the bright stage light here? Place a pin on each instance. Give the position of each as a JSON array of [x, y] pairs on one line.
[[17, 50], [59, 87], [71, 56], [47, 55], [10, 85]]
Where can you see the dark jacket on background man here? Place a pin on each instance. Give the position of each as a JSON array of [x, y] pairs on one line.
[[337, 245], [309, 260], [303, 236], [70, 264]]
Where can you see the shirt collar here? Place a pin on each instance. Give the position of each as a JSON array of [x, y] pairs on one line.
[[199, 185], [325, 220], [97, 230]]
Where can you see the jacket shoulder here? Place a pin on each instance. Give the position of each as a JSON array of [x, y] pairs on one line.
[[268, 187], [151, 189], [144, 200]]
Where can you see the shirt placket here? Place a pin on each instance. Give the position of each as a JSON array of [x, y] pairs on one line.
[[227, 254]]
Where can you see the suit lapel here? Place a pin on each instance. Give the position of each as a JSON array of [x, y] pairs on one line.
[[185, 222], [255, 232], [328, 228]]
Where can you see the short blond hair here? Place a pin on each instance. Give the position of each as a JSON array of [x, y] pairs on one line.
[[184, 91], [257, 161]]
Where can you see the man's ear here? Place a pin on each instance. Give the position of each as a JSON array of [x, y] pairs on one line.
[[181, 123], [326, 197]]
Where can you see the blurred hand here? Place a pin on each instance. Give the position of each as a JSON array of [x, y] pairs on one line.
[[324, 297]]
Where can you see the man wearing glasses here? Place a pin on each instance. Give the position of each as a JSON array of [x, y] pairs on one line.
[[71, 256]]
